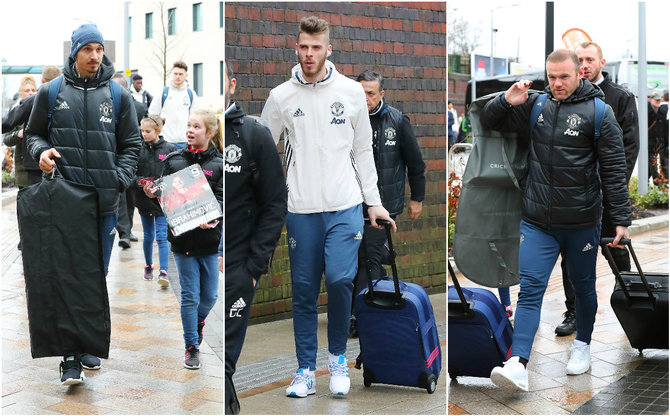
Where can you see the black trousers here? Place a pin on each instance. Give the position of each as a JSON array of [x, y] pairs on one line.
[[239, 295], [620, 255], [126, 213], [375, 254]]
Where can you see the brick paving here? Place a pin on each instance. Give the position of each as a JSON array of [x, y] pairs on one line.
[[551, 390], [144, 373]]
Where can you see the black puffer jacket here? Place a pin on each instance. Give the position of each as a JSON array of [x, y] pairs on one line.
[[623, 104], [93, 149], [149, 168], [198, 242], [255, 204], [563, 188], [396, 150]]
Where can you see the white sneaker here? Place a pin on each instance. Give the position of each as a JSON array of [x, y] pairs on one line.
[[580, 359], [339, 374], [512, 376], [303, 384]]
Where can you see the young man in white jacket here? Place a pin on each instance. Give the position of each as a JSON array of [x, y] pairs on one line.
[[330, 171], [176, 106]]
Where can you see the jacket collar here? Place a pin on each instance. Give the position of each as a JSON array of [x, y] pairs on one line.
[[297, 75]]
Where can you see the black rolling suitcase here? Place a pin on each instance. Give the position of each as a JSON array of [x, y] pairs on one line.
[[640, 302]]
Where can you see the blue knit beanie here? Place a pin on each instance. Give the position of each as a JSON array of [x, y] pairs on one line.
[[86, 33]]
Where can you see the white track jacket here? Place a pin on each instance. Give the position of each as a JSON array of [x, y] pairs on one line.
[[327, 142]]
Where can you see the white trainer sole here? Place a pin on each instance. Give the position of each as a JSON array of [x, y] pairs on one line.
[[505, 383]]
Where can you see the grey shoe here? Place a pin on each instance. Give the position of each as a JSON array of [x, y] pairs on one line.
[[124, 242], [148, 272], [192, 358], [163, 279]]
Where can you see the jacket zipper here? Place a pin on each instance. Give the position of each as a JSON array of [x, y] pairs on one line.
[[85, 130], [551, 165]]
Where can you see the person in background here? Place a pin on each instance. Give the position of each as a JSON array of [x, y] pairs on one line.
[[150, 166]]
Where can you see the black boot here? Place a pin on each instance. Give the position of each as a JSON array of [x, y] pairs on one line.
[[569, 324]]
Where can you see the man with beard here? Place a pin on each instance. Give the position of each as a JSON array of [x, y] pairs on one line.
[[562, 199], [90, 149], [256, 204], [330, 172], [623, 104]]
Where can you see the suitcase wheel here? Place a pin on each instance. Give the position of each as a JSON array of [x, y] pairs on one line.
[[368, 377], [432, 384]]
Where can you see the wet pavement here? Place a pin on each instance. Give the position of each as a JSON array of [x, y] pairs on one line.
[[620, 381], [144, 373], [267, 365]]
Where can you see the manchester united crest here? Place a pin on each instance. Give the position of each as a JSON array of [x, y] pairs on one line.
[[337, 108], [573, 121], [233, 153]]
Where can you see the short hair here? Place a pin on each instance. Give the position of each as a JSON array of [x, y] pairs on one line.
[[50, 72], [180, 64], [560, 55], [120, 79], [314, 25], [586, 44], [370, 75], [136, 77]]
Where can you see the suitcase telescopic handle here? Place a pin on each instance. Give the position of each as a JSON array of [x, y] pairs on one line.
[[394, 268], [461, 295], [617, 274]]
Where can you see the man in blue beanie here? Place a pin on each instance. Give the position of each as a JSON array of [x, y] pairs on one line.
[[89, 144]]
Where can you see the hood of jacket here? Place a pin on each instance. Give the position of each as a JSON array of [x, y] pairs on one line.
[[235, 113], [298, 77], [585, 91], [103, 76]]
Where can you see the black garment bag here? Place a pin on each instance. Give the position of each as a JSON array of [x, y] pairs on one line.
[[66, 291]]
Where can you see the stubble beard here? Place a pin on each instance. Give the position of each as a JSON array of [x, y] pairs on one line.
[[316, 71]]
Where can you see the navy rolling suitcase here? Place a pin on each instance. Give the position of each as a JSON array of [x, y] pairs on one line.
[[397, 332], [480, 334], [640, 302]]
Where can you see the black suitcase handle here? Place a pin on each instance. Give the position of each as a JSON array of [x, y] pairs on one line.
[[377, 299], [617, 274], [461, 295]]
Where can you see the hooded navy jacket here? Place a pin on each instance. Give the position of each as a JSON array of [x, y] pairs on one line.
[[94, 149]]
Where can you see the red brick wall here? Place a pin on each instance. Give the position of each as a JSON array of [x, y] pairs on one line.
[[406, 43]]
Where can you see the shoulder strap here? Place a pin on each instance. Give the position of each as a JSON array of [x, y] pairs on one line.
[[54, 87], [536, 110], [245, 140], [600, 115], [115, 89], [165, 94], [190, 97]]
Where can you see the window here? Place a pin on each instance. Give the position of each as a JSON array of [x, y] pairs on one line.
[[220, 14], [172, 21], [130, 29], [149, 26], [197, 17], [221, 77], [197, 79]]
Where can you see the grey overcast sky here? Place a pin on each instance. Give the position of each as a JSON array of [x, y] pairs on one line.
[[612, 24]]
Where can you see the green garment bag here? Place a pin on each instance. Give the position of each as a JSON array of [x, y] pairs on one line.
[[486, 235]]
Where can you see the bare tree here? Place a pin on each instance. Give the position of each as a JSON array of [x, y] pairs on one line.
[[164, 43], [461, 38]]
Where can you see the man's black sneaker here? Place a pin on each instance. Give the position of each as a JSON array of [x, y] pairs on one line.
[[133, 238], [71, 372], [201, 325], [192, 358], [569, 324], [90, 362], [124, 242]]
